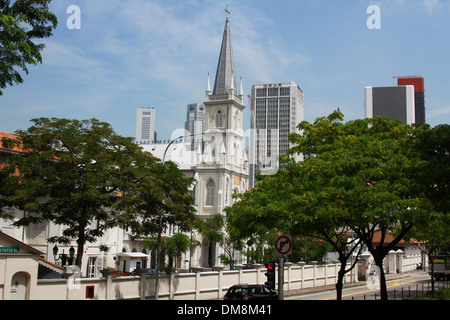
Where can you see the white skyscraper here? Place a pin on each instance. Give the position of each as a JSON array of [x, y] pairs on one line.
[[277, 109], [195, 118], [145, 125]]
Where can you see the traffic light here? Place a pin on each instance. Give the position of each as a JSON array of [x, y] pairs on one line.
[[270, 274]]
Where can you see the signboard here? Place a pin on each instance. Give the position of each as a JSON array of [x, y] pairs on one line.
[[283, 245], [9, 250]]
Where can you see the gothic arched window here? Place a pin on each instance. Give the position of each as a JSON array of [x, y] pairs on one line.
[[237, 120], [210, 192], [227, 183], [219, 119]]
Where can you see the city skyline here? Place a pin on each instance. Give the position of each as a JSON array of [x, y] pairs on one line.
[[127, 55]]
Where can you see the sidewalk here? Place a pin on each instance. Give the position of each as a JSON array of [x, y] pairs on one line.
[[332, 287]]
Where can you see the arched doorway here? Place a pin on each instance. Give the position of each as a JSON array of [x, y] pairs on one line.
[[19, 286], [208, 253]]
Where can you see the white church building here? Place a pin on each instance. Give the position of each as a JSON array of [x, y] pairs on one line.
[[219, 163]]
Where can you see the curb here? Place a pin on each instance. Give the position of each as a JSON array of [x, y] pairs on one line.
[[332, 287]]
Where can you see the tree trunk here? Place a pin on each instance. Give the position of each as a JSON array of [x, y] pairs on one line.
[[339, 287], [80, 246], [432, 275], [79, 259], [383, 287], [340, 282]]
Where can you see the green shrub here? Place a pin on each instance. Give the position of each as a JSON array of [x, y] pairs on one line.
[[441, 294]]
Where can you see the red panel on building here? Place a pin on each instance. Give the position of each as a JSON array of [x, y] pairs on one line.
[[417, 82]]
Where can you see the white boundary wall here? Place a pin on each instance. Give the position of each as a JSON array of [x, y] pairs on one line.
[[198, 285]]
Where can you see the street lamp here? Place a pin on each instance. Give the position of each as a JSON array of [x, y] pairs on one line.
[[55, 252], [63, 256], [71, 255], [158, 250]]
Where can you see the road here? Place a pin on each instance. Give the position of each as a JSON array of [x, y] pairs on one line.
[[404, 286]]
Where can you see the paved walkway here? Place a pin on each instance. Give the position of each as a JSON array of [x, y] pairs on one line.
[[332, 287]]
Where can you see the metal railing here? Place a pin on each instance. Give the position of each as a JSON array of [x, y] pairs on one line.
[[411, 291]]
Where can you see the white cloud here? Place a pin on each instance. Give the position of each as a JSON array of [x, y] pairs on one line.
[[433, 113], [163, 42], [433, 5], [430, 6], [73, 62]]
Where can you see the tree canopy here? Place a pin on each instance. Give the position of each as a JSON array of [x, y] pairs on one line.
[[434, 148], [21, 23], [357, 178], [85, 177]]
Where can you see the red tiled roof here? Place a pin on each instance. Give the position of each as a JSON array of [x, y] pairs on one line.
[[388, 238], [4, 135]]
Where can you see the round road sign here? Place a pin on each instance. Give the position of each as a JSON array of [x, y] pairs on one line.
[[283, 245]]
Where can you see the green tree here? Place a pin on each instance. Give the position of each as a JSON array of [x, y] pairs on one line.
[[258, 216], [293, 202], [309, 249], [173, 247], [21, 23], [212, 229], [71, 173], [362, 173], [158, 196], [156, 191], [357, 179], [433, 147]]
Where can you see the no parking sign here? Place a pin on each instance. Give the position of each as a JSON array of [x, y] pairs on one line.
[[283, 245]]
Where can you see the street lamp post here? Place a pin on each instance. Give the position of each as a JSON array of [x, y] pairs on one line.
[[63, 256], [158, 250]]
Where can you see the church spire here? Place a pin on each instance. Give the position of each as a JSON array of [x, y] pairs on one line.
[[225, 75], [208, 86]]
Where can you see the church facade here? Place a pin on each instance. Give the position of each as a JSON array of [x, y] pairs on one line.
[[219, 163]]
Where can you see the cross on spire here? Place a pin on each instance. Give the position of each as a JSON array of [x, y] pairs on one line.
[[225, 75]]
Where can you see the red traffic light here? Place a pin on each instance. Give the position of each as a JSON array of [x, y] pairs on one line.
[[270, 267]]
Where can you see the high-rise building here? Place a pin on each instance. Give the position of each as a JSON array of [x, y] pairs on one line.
[[277, 109], [145, 126], [394, 102], [404, 102], [195, 119], [419, 95]]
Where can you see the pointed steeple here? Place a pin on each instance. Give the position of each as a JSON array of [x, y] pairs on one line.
[[225, 75], [241, 90], [208, 87]]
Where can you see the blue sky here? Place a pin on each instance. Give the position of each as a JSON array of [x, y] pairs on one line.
[[148, 53]]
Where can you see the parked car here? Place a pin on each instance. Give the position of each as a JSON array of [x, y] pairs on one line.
[[149, 272], [250, 292]]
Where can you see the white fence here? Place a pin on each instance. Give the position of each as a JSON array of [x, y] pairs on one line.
[[197, 285]]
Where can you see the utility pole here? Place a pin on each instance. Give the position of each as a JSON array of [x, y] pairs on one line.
[[280, 278]]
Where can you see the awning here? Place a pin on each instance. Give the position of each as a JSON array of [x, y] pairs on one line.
[[133, 255], [51, 266]]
